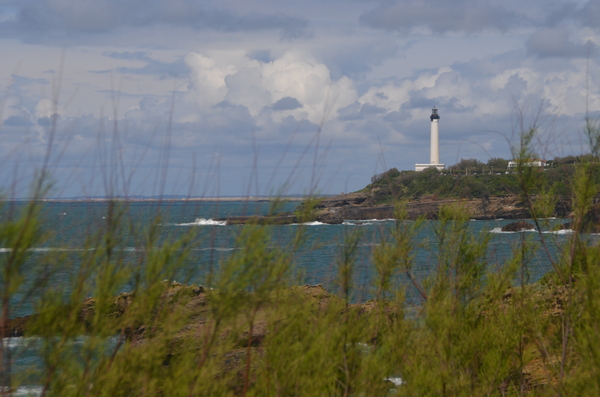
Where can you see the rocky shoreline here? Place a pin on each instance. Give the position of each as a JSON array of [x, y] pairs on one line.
[[360, 206], [194, 301]]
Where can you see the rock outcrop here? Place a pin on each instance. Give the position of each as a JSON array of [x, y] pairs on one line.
[[518, 226], [590, 222], [359, 206], [236, 342], [284, 218], [16, 326]]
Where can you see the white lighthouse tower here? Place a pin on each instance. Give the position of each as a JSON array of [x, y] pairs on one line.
[[434, 157]]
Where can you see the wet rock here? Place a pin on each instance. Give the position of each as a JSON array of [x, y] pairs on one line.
[[16, 326], [331, 218], [361, 206], [589, 224], [518, 226]]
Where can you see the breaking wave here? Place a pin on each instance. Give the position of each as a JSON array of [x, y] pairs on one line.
[[49, 249], [499, 231], [366, 222], [315, 223], [357, 223], [561, 231], [203, 222], [24, 391]]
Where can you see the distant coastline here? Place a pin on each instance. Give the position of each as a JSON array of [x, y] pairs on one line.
[[158, 199]]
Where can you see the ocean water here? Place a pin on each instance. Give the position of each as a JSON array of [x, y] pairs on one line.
[[70, 225]]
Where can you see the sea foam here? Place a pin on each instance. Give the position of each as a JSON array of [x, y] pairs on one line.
[[24, 391], [315, 223], [499, 231], [561, 231], [203, 222]]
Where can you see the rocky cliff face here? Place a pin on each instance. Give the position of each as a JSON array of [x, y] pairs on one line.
[[359, 206]]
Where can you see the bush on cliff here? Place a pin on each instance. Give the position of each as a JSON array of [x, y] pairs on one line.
[[481, 181]]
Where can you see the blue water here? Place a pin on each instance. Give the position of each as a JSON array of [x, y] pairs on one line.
[[70, 226]]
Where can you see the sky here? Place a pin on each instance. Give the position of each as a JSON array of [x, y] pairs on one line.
[[261, 97]]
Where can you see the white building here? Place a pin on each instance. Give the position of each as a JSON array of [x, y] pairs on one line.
[[434, 157], [527, 163]]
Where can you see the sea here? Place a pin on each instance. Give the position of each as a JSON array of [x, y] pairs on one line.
[[70, 226]]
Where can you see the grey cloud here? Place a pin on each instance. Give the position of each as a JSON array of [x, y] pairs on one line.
[[368, 109], [261, 55], [130, 56], [20, 81], [559, 15], [587, 14], [349, 112], [287, 103], [17, 121], [397, 117], [44, 121], [289, 125], [358, 59], [360, 112], [224, 104], [555, 42], [590, 14], [441, 16], [64, 19], [374, 128], [164, 70], [453, 105], [418, 100]]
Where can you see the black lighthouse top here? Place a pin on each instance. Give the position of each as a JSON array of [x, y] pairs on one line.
[[434, 114]]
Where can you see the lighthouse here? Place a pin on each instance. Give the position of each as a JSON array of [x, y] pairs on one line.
[[434, 155]]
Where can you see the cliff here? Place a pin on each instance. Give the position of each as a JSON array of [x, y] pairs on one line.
[[359, 206]]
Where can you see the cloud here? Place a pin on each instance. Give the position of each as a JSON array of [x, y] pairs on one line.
[[590, 14], [286, 103], [18, 121], [176, 69], [21, 81], [129, 55], [556, 42], [66, 18], [276, 99], [440, 16], [260, 86], [356, 58]]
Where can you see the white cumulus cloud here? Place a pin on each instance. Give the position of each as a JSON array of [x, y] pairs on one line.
[[257, 85]]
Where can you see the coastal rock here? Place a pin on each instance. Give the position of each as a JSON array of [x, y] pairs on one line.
[[344, 200], [518, 226], [330, 217], [360, 206], [285, 218], [16, 326], [590, 223]]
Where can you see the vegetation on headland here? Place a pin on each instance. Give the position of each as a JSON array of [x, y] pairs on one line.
[[474, 330], [471, 178]]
